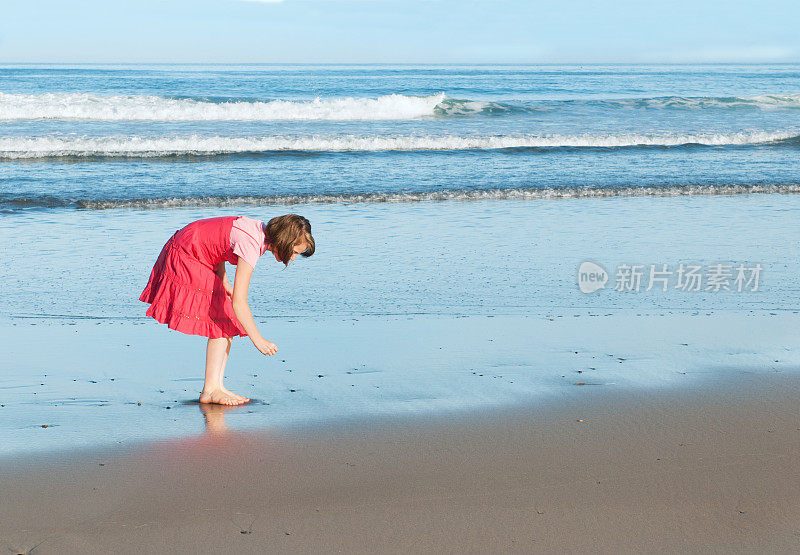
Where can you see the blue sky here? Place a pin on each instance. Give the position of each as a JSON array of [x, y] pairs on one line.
[[394, 31]]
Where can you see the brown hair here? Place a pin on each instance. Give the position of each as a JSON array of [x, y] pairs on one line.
[[284, 232]]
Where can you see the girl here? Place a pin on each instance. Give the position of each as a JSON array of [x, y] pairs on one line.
[[189, 291]]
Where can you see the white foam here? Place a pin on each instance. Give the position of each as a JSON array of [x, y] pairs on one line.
[[62, 106], [763, 102], [439, 196], [95, 107], [135, 146]]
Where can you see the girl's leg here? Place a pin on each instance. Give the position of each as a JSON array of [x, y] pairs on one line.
[[222, 372], [216, 357]]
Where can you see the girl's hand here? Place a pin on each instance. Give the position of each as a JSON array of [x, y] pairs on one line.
[[267, 347]]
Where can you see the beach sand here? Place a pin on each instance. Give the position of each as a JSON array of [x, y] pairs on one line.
[[442, 383], [427, 398], [712, 469]]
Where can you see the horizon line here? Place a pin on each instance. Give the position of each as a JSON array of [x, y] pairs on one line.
[[572, 63]]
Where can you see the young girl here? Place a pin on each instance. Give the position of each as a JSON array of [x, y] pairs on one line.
[[189, 291]]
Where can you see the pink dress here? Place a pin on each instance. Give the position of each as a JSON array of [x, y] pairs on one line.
[[184, 292]]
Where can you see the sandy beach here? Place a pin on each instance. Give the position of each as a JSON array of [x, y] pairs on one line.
[[710, 470], [494, 409], [552, 308]]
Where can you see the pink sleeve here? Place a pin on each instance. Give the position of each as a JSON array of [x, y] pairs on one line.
[[247, 239]]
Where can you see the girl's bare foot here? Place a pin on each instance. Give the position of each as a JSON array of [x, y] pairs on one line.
[[222, 397], [229, 392]]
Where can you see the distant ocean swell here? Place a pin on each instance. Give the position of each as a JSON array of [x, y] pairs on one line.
[[16, 148], [95, 107], [398, 197]]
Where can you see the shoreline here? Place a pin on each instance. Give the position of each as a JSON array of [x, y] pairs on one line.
[[712, 469], [116, 383], [551, 311]]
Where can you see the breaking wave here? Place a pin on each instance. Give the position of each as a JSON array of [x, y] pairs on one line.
[[95, 107], [87, 107], [398, 197], [16, 148], [760, 102]]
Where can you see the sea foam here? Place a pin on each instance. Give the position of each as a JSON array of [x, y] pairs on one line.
[[440, 196], [72, 106], [95, 107], [197, 145], [523, 194]]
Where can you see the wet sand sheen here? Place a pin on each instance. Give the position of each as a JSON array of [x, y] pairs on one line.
[[121, 383], [712, 469]]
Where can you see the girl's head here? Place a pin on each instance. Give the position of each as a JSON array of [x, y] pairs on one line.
[[289, 235]]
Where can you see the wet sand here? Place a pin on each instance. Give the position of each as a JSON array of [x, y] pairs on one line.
[[100, 383], [708, 469]]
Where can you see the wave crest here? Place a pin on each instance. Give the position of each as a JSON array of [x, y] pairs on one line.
[[16, 148], [45, 201], [441, 196], [760, 102], [88, 107], [94, 107]]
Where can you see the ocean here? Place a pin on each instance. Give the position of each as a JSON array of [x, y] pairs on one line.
[[94, 137], [148, 148], [452, 207]]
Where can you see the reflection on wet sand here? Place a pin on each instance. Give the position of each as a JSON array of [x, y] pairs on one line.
[[215, 418], [220, 439]]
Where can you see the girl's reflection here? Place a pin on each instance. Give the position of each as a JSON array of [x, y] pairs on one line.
[[215, 418]]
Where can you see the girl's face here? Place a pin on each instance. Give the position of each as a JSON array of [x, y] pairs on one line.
[[298, 248]]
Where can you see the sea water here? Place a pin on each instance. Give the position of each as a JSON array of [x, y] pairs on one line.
[[96, 137], [452, 206], [104, 163]]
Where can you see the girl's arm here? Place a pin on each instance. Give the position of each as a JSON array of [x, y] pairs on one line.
[[220, 271], [241, 283]]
